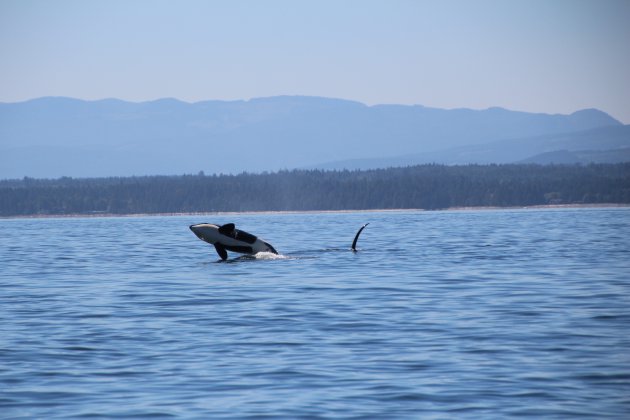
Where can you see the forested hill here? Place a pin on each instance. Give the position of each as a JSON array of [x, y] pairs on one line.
[[423, 187]]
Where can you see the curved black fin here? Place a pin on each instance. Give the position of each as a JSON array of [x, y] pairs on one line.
[[227, 229], [221, 251], [356, 237]]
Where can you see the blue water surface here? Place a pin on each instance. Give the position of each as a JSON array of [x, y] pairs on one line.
[[446, 314]]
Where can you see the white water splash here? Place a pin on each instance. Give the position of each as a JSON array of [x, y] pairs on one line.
[[270, 256]]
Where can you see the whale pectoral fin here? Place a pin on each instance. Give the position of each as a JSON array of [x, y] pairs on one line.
[[221, 251], [227, 229]]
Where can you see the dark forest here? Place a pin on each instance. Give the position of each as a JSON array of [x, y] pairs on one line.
[[420, 187]]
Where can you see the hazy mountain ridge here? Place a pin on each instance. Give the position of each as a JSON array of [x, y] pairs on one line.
[[568, 157], [597, 145], [51, 137]]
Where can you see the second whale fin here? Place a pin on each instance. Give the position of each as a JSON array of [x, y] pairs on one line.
[[356, 237]]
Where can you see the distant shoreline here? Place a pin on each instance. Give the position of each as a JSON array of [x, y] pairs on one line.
[[428, 187], [229, 213]]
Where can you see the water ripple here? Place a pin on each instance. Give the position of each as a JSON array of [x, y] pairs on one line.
[[480, 314]]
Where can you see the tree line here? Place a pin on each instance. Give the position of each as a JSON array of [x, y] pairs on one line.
[[422, 187]]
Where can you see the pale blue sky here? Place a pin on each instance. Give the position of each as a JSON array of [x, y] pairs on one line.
[[552, 56]]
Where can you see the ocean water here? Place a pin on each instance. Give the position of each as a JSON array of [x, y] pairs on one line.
[[453, 314]]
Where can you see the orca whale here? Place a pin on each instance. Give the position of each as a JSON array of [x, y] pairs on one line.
[[228, 238]]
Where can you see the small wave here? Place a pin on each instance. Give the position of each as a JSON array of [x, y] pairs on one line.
[[255, 257]]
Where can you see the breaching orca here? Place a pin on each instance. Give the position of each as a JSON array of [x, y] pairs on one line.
[[228, 238]]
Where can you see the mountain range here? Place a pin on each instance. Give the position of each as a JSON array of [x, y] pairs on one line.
[[54, 136]]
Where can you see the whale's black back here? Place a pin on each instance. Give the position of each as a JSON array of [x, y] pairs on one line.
[[240, 235]]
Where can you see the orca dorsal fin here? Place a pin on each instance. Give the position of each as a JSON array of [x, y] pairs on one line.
[[227, 229], [221, 251], [356, 237]]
